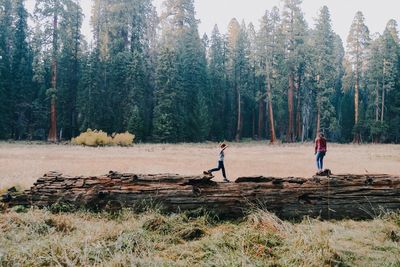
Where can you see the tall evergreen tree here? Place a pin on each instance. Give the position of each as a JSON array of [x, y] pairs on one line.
[[238, 67], [70, 67], [6, 110], [294, 28], [324, 71], [21, 67], [49, 12], [165, 123], [219, 92], [357, 42], [180, 32], [269, 54]]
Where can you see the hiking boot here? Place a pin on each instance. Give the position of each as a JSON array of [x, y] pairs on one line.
[[206, 173], [226, 180]]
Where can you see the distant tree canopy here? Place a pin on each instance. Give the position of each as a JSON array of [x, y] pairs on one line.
[[155, 76]]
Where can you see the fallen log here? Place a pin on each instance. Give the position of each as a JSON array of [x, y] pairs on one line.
[[335, 196]]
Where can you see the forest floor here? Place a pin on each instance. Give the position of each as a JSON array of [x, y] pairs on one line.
[[22, 163], [31, 237]]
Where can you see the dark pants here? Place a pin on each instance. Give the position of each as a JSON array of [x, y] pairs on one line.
[[220, 166], [320, 159]]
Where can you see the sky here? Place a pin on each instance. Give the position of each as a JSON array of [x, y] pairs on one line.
[[210, 12]]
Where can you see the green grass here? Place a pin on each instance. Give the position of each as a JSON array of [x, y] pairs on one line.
[[40, 237]]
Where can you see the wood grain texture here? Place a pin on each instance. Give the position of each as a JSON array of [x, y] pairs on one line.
[[333, 197]]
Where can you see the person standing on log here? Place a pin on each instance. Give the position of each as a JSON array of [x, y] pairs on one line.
[[221, 166], [320, 151]]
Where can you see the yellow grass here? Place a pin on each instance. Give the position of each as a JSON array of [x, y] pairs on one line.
[[40, 238], [21, 163], [97, 138]]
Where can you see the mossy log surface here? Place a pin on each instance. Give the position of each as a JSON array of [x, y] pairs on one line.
[[333, 197]]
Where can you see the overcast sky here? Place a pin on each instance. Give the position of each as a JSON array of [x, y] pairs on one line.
[[210, 12]]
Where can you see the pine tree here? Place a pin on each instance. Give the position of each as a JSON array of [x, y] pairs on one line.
[[91, 102], [294, 28], [357, 42], [180, 33], [143, 21], [22, 93], [238, 67], [70, 66], [324, 71], [253, 85], [165, 122], [390, 73], [6, 110], [217, 79], [269, 55], [374, 76], [50, 12], [339, 72]]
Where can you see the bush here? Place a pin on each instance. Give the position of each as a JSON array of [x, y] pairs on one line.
[[92, 138], [123, 139], [100, 138]]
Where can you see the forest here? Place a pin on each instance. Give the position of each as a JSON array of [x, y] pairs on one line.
[[155, 76]]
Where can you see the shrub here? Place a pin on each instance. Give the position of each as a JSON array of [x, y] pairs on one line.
[[123, 139], [92, 138], [100, 138]]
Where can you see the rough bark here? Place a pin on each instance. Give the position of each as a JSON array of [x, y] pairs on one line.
[[260, 119], [336, 197], [239, 118], [377, 101], [298, 108], [290, 130], [357, 137], [53, 115], [270, 108], [383, 90]]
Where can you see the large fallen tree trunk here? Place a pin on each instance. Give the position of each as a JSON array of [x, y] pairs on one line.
[[337, 196]]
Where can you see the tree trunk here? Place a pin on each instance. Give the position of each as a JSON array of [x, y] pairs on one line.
[[298, 109], [260, 118], [53, 115], [383, 104], [270, 108], [318, 118], [334, 197], [357, 137], [383, 90], [290, 130], [239, 118], [76, 78], [253, 123], [377, 101]]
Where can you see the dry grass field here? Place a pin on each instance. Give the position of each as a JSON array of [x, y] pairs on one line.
[[22, 163], [31, 237], [40, 238]]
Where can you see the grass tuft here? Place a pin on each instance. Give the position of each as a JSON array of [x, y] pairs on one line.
[[40, 237]]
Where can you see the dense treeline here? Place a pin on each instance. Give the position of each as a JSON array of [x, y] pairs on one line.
[[154, 75]]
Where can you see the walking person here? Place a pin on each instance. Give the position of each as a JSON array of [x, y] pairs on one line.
[[221, 166], [320, 151]]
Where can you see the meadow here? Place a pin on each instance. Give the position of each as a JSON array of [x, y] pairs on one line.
[[22, 163], [32, 237]]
